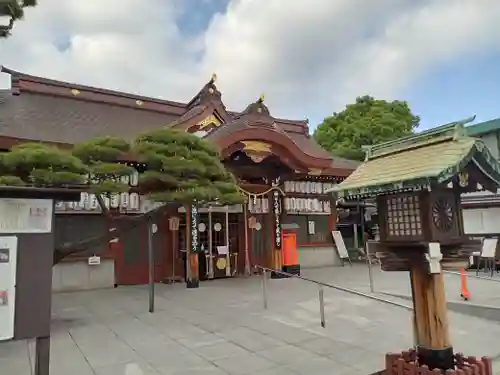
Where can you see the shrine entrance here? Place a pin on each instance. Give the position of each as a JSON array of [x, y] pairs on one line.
[[261, 239], [219, 241]]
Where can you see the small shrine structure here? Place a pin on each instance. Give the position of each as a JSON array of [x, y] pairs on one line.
[[417, 182]]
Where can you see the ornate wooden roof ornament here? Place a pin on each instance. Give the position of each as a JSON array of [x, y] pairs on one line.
[[208, 93], [417, 181], [213, 78]]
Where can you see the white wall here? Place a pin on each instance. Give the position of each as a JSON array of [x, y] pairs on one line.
[[481, 220], [78, 275], [318, 256]]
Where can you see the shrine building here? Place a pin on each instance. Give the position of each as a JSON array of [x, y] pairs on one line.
[[279, 167]]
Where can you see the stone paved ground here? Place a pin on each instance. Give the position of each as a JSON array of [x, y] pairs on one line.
[[222, 328], [483, 292]]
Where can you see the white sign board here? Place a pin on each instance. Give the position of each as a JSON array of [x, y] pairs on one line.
[[222, 250], [489, 248], [26, 215], [8, 261], [94, 260], [340, 245]]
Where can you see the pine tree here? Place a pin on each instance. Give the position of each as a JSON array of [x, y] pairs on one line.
[[14, 10], [181, 169]]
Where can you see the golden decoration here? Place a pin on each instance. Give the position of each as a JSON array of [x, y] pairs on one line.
[[209, 120], [139, 102], [463, 179], [75, 92], [314, 172], [261, 98], [256, 146], [213, 78], [221, 263]]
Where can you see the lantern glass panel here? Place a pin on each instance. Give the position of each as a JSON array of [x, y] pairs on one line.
[[403, 215]]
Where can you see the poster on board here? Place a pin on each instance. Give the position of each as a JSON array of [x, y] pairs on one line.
[[340, 246], [8, 260], [25, 215]]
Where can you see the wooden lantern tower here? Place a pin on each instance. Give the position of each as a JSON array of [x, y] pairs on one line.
[[417, 182]]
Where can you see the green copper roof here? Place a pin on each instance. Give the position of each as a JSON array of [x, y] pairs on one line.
[[428, 158], [483, 127]]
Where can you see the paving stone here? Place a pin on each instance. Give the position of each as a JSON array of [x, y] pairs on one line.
[[324, 345], [280, 370], [129, 368], [180, 363], [159, 355], [220, 350], [244, 364], [209, 369], [197, 341], [287, 355], [17, 366], [320, 366], [352, 356], [250, 339], [221, 327]]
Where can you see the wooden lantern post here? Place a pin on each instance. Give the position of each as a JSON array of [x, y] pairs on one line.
[[192, 247], [417, 182]]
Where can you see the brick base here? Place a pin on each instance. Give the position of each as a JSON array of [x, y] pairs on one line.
[[406, 363]]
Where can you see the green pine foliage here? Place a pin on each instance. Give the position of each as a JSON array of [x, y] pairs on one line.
[[101, 156], [40, 165], [183, 168], [180, 167], [15, 10]]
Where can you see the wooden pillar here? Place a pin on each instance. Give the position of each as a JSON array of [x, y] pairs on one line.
[[430, 319], [192, 267]]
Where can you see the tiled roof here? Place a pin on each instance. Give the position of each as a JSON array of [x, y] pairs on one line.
[[483, 127], [68, 120], [430, 157], [37, 108]]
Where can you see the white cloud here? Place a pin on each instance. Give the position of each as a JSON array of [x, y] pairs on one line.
[[308, 57]]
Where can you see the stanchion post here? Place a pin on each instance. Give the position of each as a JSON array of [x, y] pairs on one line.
[[264, 287], [151, 266], [321, 305], [369, 264]]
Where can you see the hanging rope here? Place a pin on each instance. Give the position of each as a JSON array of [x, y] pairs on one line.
[[254, 196]]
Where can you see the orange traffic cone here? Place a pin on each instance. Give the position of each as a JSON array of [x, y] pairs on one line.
[[464, 291]]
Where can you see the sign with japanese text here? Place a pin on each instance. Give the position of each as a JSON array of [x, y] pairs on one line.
[[277, 219], [194, 229], [25, 215]]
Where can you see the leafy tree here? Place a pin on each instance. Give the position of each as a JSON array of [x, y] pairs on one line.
[[368, 121], [14, 10], [181, 169]]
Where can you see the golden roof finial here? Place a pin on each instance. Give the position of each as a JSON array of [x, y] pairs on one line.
[[213, 78], [261, 98]]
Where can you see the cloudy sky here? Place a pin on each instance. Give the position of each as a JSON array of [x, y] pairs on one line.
[[309, 57]]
